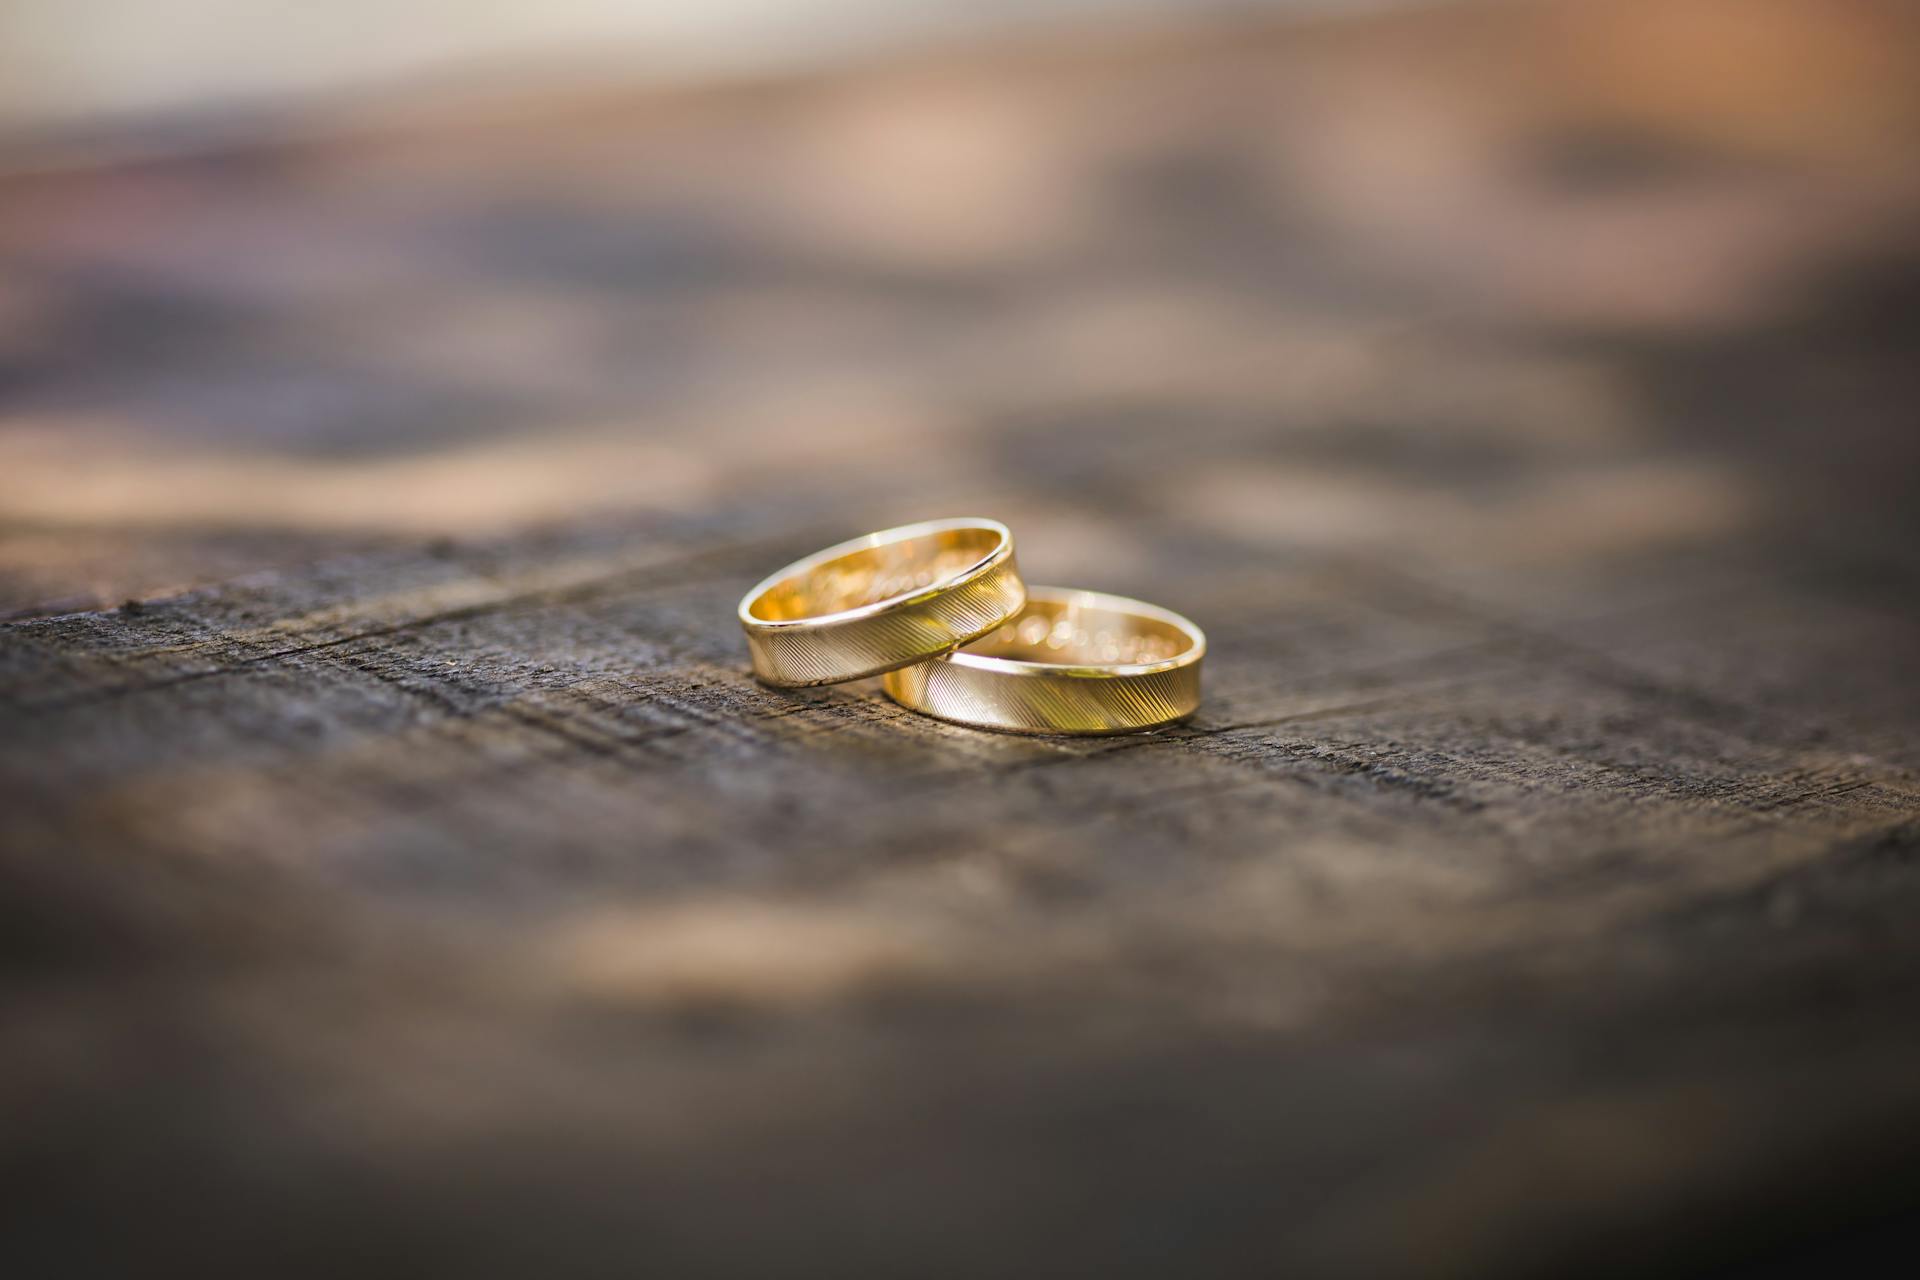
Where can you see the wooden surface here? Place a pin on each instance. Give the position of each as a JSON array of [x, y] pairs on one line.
[[409, 879]]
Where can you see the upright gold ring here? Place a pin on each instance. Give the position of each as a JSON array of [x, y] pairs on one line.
[[889, 599], [1070, 662]]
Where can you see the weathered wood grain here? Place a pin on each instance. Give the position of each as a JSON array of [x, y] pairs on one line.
[[428, 887]]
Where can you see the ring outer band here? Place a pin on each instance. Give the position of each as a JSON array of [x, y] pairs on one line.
[[1012, 695], [870, 639]]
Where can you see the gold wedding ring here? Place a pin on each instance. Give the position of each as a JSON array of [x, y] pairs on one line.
[[887, 600], [1070, 662]]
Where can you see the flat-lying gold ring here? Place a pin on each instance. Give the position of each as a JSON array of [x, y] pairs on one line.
[[1070, 662], [883, 601]]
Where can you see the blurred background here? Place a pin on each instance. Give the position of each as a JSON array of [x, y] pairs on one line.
[[1522, 393], [95, 59], [288, 279]]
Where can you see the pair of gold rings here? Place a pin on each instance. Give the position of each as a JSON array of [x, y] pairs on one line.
[[939, 610]]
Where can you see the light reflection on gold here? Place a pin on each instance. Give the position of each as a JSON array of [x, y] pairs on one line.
[[875, 574], [881, 601], [1077, 662]]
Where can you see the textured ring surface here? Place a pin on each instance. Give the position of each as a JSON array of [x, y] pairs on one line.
[[889, 599], [1070, 662]]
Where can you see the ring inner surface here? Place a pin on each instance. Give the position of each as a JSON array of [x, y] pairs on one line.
[[1069, 634], [874, 575]]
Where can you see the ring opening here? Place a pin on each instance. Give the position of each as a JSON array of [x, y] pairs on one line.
[[1067, 632], [875, 575]]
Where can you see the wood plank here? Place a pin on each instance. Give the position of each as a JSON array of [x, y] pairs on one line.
[[428, 884]]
